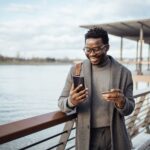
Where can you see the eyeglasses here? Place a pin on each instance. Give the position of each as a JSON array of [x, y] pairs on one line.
[[96, 50]]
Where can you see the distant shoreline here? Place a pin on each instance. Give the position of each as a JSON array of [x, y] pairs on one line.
[[35, 63]]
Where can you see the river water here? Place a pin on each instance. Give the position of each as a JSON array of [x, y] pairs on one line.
[[27, 90]]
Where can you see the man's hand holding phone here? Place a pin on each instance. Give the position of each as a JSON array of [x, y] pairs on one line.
[[78, 92]]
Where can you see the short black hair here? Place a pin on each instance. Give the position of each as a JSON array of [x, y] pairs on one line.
[[97, 33]]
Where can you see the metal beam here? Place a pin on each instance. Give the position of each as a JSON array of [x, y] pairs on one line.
[[114, 27], [147, 26], [141, 48], [121, 48], [129, 26], [148, 68], [137, 47]]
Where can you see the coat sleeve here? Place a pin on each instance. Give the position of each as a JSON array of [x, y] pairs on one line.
[[63, 99], [128, 93]]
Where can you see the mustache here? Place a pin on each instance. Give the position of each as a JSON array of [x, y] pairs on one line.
[[101, 57]]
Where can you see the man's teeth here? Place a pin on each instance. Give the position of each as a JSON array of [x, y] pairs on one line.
[[93, 58]]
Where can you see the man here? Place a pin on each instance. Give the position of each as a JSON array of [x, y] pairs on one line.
[[100, 121]]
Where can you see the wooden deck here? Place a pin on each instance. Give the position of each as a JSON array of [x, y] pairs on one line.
[[141, 78], [145, 62]]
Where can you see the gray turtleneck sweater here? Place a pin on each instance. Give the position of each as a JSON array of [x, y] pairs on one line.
[[100, 83]]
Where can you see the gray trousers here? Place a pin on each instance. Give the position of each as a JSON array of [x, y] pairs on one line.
[[100, 139]]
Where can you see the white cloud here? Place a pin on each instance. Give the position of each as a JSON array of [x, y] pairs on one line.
[[23, 8], [47, 26]]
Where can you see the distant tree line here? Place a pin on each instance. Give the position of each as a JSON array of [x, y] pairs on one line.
[[17, 60], [4, 58]]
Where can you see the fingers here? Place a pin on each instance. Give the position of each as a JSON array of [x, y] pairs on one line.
[[82, 94], [114, 95], [111, 99], [78, 94], [82, 100], [83, 91], [78, 88]]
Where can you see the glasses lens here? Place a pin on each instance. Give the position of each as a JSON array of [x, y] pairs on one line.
[[89, 50], [96, 50]]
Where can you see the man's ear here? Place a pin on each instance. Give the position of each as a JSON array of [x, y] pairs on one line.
[[107, 47]]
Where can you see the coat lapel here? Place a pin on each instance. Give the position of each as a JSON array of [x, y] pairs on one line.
[[84, 113], [115, 82], [117, 126], [87, 76]]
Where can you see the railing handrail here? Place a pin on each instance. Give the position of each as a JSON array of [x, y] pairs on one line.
[[17, 129], [141, 92], [14, 130]]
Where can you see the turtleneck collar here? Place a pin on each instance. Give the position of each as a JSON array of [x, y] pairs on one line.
[[105, 63]]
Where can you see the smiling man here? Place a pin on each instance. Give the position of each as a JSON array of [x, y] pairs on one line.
[[107, 98]]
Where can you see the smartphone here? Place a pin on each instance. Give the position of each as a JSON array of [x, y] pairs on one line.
[[77, 80]]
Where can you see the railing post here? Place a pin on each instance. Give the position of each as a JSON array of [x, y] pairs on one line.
[[132, 128], [147, 121], [65, 136]]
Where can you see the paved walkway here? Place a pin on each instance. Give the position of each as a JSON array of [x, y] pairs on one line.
[[141, 142]]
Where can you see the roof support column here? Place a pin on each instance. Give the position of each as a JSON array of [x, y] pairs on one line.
[[141, 49], [121, 48], [148, 67], [136, 85], [137, 47]]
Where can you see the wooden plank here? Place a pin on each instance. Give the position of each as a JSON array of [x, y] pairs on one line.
[[133, 62], [25, 127], [138, 93], [142, 78]]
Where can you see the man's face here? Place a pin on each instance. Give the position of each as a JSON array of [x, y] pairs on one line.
[[95, 50]]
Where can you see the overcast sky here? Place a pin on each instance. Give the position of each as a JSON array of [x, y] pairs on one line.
[[50, 28]]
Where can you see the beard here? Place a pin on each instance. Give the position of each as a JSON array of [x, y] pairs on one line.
[[102, 58]]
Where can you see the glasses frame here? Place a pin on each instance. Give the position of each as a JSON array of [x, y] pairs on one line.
[[100, 49]]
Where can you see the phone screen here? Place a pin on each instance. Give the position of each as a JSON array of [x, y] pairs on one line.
[[77, 80]]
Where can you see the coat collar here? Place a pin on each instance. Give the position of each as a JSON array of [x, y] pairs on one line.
[[87, 70]]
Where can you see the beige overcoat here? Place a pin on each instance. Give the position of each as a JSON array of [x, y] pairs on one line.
[[121, 79]]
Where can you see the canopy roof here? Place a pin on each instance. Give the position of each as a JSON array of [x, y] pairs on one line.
[[126, 29]]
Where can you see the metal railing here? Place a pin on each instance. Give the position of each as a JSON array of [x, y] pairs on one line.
[[138, 121], [18, 129]]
